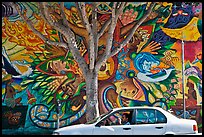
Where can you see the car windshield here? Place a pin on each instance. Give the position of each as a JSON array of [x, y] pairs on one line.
[[100, 117]]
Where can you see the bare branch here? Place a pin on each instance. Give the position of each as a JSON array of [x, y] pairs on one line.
[[29, 23], [104, 27], [111, 29], [127, 39], [69, 35], [79, 12], [107, 23], [115, 15], [110, 37], [42, 14], [82, 9], [91, 37], [46, 13], [65, 22], [58, 25], [120, 9], [94, 27]]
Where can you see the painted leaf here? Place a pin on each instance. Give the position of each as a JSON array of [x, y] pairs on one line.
[[46, 92], [43, 83], [25, 82], [50, 78], [40, 77], [63, 108], [51, 107], [44, 87], [50, 99], [36, 85], [44, 98], [34, 76], [36, 71], [41, 90]]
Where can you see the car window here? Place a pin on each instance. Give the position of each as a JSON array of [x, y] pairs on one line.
[[113, 119], [160, 117], [100, 117], [145, 116]]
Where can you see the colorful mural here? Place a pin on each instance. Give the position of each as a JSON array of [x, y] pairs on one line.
[[146, 72]]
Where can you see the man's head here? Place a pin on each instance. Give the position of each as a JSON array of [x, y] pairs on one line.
[[125, 117]]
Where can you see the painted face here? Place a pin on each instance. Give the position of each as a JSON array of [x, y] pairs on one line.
[[146, 65]]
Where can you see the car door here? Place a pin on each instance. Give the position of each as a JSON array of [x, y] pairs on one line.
[[103, 130], [112, 127], [149, 122], [113, 130]]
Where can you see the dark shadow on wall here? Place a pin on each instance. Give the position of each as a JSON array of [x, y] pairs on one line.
[[13, 118]]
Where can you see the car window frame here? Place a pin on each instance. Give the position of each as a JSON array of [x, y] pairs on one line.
[[112, 114], [155, 115], [99, 118], [163, 115]]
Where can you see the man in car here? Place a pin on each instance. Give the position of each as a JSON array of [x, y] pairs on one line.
[[124, 120]]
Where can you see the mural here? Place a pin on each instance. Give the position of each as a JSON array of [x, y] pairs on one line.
[[36, 77]]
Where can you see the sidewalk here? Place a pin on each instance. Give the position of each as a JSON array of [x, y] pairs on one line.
[[30, 131]]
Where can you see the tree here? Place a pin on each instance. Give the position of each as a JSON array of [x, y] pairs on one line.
[[90, 68]]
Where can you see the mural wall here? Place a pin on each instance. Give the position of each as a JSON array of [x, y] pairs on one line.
[[146, 72]]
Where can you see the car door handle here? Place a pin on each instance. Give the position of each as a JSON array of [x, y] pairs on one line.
[[126, 128], [158, 127]]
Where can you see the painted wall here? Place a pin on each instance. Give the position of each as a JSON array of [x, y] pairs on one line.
[[147, 72]]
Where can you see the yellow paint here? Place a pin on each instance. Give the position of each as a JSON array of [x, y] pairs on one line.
[[129, 88], [118, 102], [158, 93], [151, 98], [198, 64], [17, 87], [6, 77], [102, 75], [189, 32], [169, 4], [54, 116], [3, 91], [32, 99], [163, 87], [74, 108], [142, 98]]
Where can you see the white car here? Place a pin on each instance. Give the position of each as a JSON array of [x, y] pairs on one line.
[[143, 121]]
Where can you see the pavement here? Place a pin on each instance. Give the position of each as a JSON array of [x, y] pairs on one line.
[[26, 131]]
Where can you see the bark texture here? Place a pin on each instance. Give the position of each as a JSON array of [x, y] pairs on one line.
[[92, 96]]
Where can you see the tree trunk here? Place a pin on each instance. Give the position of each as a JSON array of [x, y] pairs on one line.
[[92, 96]]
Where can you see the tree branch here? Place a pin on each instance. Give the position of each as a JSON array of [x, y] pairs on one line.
[[94, 28], [69, 35], [127, 39], [111, 30], [91, 37], [31, 26], [120, 9], [65, 22], [42, 14], [116, 11], [80, 13], [107, 23], [104, 27], [110, 37]]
